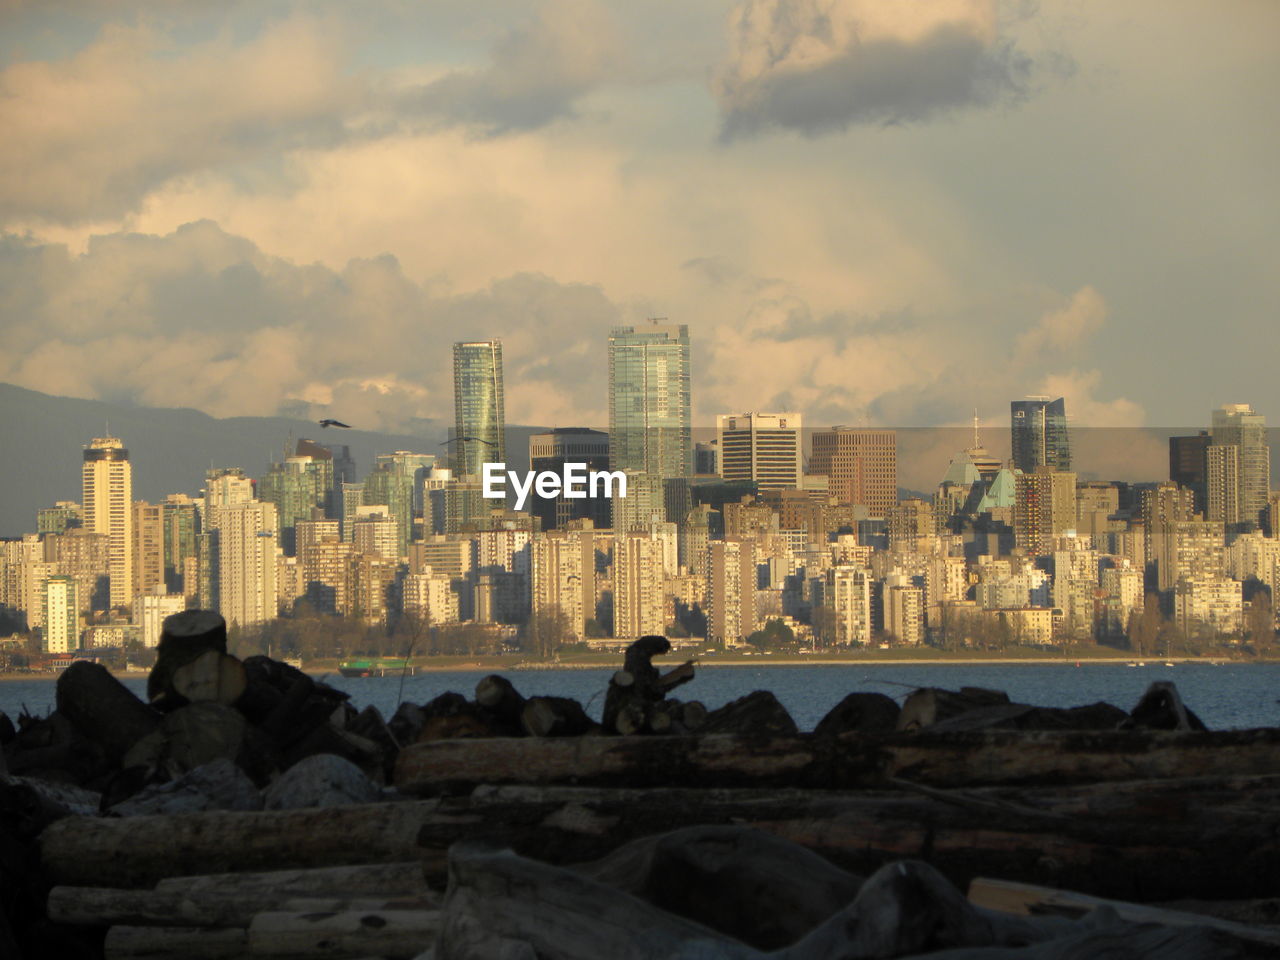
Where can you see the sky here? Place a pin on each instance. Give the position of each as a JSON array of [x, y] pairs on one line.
[[875, 212]]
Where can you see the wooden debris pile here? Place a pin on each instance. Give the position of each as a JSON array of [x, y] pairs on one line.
[[554, 832]]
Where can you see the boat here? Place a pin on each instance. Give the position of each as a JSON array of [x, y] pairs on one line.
[[377, 667]]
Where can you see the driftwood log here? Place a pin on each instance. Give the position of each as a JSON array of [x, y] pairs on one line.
[[183, 637], [102, 709], [1140, 840], [635, 688], [944, 759]]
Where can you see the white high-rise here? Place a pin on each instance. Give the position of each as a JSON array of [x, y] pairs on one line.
[[107, 496], [247, 549]]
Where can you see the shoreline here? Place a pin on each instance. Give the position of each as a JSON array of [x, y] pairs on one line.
[[739, 662]]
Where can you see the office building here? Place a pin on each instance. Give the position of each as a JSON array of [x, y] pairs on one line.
[[550, 452], [107, 501], [1039, 434], [861, 466], [764, 448], [650, 423], [479, 406], [731, 591], [1045, 508], [1236, 425]]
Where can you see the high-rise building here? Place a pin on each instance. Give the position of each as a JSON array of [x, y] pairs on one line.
[[650, 421], [731, 591], [1039, 434], [761, 447], [1045, 508], [551, 451], [1236, 425], [638, 591], [1188, 464], [247, 548], [861, 466], [301, 487], [148, 548], [478, 404], [61, 614], [107, 481]]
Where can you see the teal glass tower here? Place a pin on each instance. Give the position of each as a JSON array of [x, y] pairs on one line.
[[479, 412], [650, 426]]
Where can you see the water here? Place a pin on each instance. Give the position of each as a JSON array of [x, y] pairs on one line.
[[1225, 697]]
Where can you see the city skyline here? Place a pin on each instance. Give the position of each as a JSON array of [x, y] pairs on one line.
[[901, 215]]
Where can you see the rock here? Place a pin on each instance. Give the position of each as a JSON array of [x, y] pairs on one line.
[[323, 780], [219, 785]]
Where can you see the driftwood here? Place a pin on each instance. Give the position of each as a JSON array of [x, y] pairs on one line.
[[861, 713], [930, 705], [638, 685], [183, 637], [560, 915], [758, 714], [555, 717], [103, 709], [382, 879], [944, 759], [212, 676], [172, 943], [200, 733], [1161, 708], [1143, 839], [1027, 900], [744, 883], [502, 704], [369, 932], [1023, 716]]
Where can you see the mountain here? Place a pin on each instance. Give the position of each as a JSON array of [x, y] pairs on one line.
[[42, 439]]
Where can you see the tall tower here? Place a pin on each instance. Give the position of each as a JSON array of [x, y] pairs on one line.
[[1236, 425], [861, 464], [478, 405], [107, 482], [650, 423], [1039, 434]]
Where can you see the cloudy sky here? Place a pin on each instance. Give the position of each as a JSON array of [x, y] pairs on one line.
[[882, 212]]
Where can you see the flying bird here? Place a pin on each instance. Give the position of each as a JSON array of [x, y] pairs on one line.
[[476, 439], [327, 422]]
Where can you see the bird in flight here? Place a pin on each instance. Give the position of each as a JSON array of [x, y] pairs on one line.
[[476, 439], [327, 422]]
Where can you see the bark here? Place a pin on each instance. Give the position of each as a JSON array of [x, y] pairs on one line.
[[371, 879]]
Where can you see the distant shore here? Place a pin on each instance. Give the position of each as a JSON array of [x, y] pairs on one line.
[[613, 661]]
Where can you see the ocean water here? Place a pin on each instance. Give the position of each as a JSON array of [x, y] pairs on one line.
[[1229, 696]]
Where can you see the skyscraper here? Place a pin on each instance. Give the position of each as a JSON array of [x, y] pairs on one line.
[[478, 406], [247, 549], [861, 466], [551, 451], [1039, 434], [107, 484], [650, 425], [1236, 425], [761, 447]]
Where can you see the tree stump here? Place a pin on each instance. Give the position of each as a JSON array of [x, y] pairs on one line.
[[758, 714], [639, 684], [102, 709], [861, 712], [183, 637]]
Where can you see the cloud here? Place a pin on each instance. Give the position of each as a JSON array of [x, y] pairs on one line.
[[200, 318], [536, 75], [88, 137], [1065, 330], [819, 66]]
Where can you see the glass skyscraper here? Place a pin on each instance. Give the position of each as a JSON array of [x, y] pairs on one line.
[[1039, 434], [650, 425], [478, 406]]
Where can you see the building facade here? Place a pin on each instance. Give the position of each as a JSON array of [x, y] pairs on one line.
[[107, 499], [1039, 435], [479, 406]]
